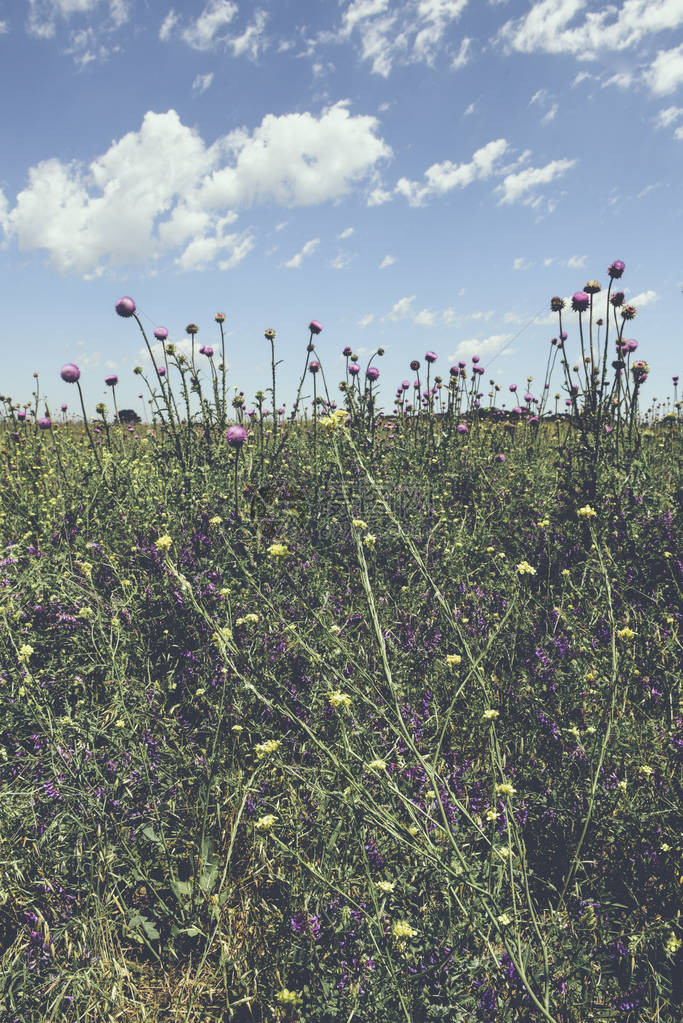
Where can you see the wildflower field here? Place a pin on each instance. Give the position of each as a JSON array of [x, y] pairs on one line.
[[334, 714]]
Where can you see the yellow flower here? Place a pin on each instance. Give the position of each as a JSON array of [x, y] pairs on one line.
[[492, 815], [339, 699], [430, 794], [287, 997], [505, 852], [370, 540], [452, 660], [587, 512], [359, 524], [266, 822], [543, 523], [120, 723], [264, 748], [490, 715], [164, 542], [672, 944], [524, 568], [278, 550], [377, 765], [506, 789], [625, 633], [565, 572], [237, 729], [646, 770], [504, 919], [25, 651], [413, 831], [215, 521], [402, 929], [386, 886], [224, 635]]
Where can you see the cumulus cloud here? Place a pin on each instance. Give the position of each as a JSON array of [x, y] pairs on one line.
[[346, 233], [568, 26], [4, 28], [408, 31], [643, 298], [483, 347], [403, 310], [209, 31], [666, 71], [443, 177], [365, 321], [387, 261], [309, 248], [668, 116], [162, 188], [97, 20], [521, 187]]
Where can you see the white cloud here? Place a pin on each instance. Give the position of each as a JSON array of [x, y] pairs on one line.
[[341, 261], [442, 177], [565, 26], [402, 309], [668, 116], [85, 43], [377, 197], [425, 318], [550, 115], [643, 298], [482, 347], [666, 71], [576, 262], [520, 263], [209, 30], [346, 233], [387, 261], [408, 31], [470, 110], [463, 56], [365, 321], [309, 248], [515, 187], [3, 28], [202, 82], [678, 134], [161, 187]]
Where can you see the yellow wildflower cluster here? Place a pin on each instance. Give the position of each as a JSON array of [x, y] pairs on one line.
[[490, 715], [215, 521], [587, 512], [335, 420], [222, 635], [339, 699], [506, 789], [359, 524], [524, 568], [402, 929], [164, 542], [625, 633], [266, 822], [25, 651], [386, 886], [287, 997], [452, 660], [369, 540], [249, 619], [504, 919], [264, 748], [278, 550], [377, 765]]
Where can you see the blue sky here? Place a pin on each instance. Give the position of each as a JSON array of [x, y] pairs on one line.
[[416, 174]]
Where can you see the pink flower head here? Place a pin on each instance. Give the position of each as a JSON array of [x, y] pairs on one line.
[[405, 384], [616, 269], [160, 333], [70, 373], [347, 351], [125, 306], [415, 365], [462, 364], [63, 407], [430, 356], [111, 381], [354, 369], [313, 366], [315, 327], [219, 317], [191, 329], [202, 349], [208, 351], [580, 301], [372, 373], [462, 428], [513, 387], [631, 345], [475, 359], [45, 423], [161, 370], [501, 457], [235, 436], [453, 371]]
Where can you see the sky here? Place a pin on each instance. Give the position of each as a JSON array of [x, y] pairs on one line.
[[413, 174]]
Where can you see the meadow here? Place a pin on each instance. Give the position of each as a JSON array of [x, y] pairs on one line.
[[325, 714]]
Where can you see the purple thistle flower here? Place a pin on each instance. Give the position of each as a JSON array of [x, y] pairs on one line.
[[580, 301], [347, 351], [208, 351], [616, 269], [125, 306], [372, 373], [415, 365], [70, 373], [235, 436], [315, 327], [160, 333], [354, 369], [161, 370], [45, 423], [430, 356], [111, 381], [313, 366]]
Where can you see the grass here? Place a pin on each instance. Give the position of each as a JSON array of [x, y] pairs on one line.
[[359, 721]]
